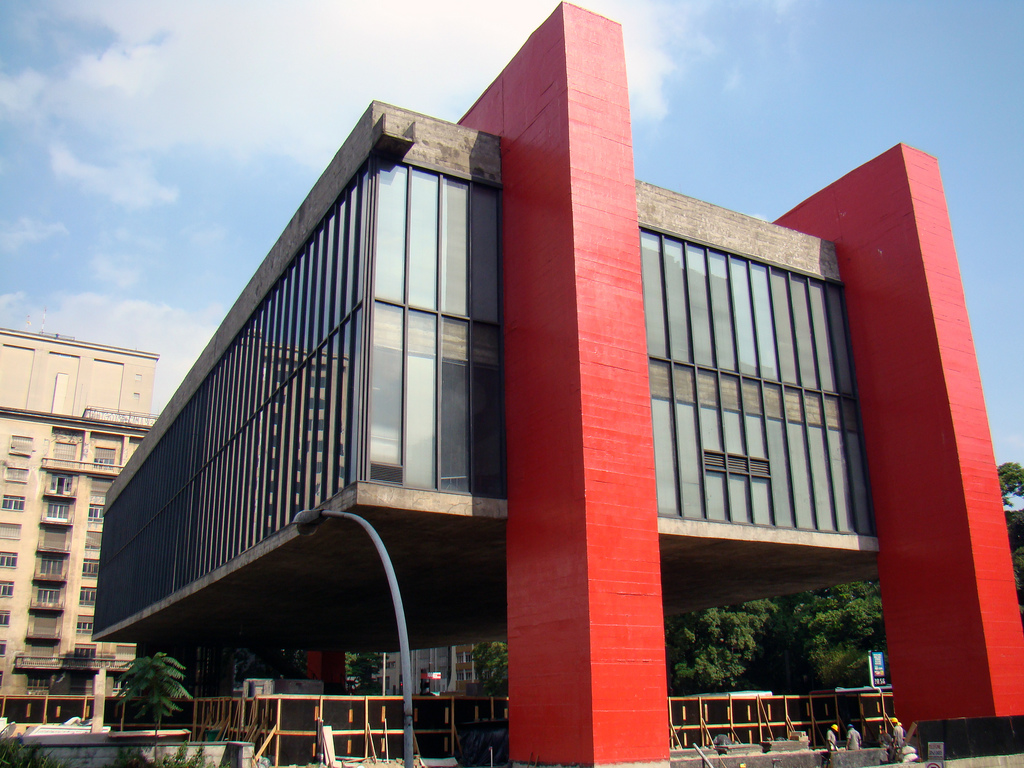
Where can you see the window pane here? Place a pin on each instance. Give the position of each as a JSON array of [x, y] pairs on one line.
[[485, 271], [783, 326], [487, 411], [858, 473], [744, 317], [423, 240], [802, 329], [454, 405], [819, 462], [390, 261], [763, 318], [722, 313], [654, 310], [753, 420], [707, 394], [837, 327], [355, 265], [739, 506], [675, 292], [715, 485], [353, 365], [821, 335], [760, 500], [386, 415], [800, 476], [689, 463], [840, 488], [731, 414], [420, 400], [664, 460], [455, 244], [700, 319], [330, 318]]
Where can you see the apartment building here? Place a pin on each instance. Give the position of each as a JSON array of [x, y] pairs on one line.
[[71, 413]]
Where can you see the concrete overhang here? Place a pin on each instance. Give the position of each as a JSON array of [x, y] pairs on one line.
[[329, 590]]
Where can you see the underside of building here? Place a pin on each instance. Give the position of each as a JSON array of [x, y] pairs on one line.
[[572, 403]]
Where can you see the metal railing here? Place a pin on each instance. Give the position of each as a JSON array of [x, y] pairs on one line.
[[131, 418], [90, 467], [53, 546], [43, 633], [70, 661], [46, 605], [49, 575]]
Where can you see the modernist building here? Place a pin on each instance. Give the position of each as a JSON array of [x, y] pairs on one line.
[[71, 413], [570, 403]]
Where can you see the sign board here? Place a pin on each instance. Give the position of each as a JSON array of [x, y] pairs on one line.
[[876, 663], [936, 754]]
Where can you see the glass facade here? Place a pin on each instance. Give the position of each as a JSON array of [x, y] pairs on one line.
[[404, 265], [754, 412]]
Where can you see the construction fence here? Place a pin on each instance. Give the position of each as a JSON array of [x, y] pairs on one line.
[[283, 727]]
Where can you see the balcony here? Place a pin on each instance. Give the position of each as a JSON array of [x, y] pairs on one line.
[[48, 544], [42, 633], [40, 575], [81, 467], [127, 418], [70, 661], [50, 520], [42, 604]]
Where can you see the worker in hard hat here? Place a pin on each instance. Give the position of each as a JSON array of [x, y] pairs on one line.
[[831, 742], [852, 737], [898, 741]]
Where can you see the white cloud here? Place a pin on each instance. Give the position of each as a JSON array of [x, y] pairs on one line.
[[175, 334], [266, 77], [130, 183], [121, 271], [24, 231]]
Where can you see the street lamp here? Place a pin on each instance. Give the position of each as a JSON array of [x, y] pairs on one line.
[[306, 522]]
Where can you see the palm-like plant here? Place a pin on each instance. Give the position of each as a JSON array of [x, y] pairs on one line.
[[152, 683]]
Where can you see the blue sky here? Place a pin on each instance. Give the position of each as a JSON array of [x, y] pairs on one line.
[[150, 154]]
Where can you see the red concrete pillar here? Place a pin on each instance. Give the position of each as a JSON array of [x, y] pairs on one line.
[[587, 677], [328, 666], [956, 648]]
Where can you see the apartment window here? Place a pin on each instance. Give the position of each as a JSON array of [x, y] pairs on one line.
[[48, 596], [95, 513], [91, 568], [135, 396], [98, 491], [84, 625], [8, 560], [38, 682], [85, 651], [65, 451], [14, 503], [50, 566], [3, 651], [106, 456], [87, 596], [58, 511], [62, 484], [21, 445], [5, 618], [6, 588], [10, 531], [16, 475], [138, 377], [93, 540]]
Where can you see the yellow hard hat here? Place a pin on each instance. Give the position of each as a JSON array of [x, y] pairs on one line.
[[894, 721], [835, 727]]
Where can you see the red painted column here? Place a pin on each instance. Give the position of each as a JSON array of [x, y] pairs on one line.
[[328, 666], [587, 677], [956, 647]]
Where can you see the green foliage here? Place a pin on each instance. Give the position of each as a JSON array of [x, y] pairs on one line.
[[710, 650], [1011, 482], [14, 754], [133, 758], [491, 663], [364, 670], [152, 683], [794, 643]]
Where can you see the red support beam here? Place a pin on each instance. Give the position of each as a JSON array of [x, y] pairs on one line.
[[956, 647], [587, 678]]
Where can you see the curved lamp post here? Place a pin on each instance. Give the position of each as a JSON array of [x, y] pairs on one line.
[[307, 521]]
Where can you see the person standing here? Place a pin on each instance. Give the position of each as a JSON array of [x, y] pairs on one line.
[[852, 737], [899, 740]]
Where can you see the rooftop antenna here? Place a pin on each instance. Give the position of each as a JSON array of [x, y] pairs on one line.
[[42, 328], [28, 321]]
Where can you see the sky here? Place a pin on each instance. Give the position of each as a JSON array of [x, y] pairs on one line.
[[151, 153]]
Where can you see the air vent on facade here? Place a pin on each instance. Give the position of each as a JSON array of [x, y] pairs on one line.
[[714, 461], [386, 473], [760, 467], [737, 464]]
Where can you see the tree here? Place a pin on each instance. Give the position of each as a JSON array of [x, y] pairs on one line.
[[152, 683], [710, 650], [491, 663], [1011, 483], [363, 671]]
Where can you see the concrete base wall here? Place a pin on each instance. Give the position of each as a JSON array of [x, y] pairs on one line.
[[231, 754]]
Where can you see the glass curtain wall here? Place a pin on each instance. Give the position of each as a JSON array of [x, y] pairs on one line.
[[284, 421], [752, 398]]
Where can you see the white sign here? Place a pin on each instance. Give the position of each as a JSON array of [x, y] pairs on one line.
[[936, 754]]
